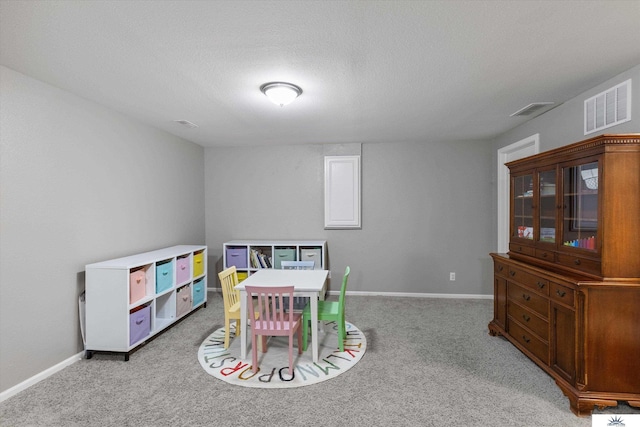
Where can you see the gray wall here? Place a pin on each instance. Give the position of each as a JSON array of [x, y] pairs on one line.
[[80, 184], [426, 211]]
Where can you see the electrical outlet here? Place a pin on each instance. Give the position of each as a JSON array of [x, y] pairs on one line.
[[452, 276]]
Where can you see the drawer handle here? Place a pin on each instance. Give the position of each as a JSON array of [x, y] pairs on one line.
[[164, 273], [512, 273], [139, 321], [138, 280], [541, 285], [576, 262], [183, 267], [525, 339], [500, 268], [526, 297], [526, 318], [561, 293], [520, 248], [544, 255]]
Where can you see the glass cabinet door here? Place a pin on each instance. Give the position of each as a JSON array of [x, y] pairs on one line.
[[580, 206], [522, 203], [547, 206]]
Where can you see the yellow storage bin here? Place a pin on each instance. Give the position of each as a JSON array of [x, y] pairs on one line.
[[198, 264]]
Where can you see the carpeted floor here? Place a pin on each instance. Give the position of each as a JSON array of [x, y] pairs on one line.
[[429, 362]]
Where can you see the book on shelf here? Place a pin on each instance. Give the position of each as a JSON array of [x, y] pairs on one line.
[[263, 263], [254, 259], [260, 260]]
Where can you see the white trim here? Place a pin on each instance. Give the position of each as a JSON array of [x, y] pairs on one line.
[[505, 154], [39, 377], [400, 294], [414, 295]]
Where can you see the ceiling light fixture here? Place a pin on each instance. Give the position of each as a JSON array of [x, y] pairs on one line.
[[281, 93]]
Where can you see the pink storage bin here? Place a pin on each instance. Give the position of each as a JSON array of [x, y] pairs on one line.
[[183, 269], [137, 285], [183, 301]]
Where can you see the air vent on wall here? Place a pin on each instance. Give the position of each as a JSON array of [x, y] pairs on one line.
[[186, 123], [608, 108], [532, 108]]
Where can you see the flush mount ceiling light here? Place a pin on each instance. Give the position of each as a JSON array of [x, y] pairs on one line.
[[281, 93]]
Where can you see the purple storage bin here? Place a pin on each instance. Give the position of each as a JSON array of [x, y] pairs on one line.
[[183, 269], [237, 257], [139, 324]]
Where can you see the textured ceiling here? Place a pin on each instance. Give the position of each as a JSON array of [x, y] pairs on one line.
[[371, 71]]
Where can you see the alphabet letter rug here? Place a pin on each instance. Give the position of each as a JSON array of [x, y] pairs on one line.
[[226, 364]]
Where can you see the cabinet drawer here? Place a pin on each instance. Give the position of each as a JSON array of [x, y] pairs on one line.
[[137, 285], [522, 249], [183, 301], [164, 275], [183, 269], [529, 300], [312, 254], [500, 269], [546, 255], [583, 264], [198, 263], [532, 321], [539, 348], [283, 254], [530, 280], [237, 257], [198, 292], [562, 294]]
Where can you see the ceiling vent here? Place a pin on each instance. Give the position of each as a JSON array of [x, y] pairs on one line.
[[532, 108], [186, 123], [608, 108]]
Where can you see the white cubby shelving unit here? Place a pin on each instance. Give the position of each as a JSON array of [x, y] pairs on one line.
[[239, 253], [131, 299]]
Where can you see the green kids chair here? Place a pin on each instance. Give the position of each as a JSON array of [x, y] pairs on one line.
[[328, 310]]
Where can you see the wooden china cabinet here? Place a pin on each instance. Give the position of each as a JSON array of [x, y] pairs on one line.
[[567, 294]]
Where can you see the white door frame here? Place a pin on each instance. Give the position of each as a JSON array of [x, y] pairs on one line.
[[523, 148]]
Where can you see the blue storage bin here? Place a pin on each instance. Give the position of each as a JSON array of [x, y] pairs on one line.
[[198, 292], [164, 275]]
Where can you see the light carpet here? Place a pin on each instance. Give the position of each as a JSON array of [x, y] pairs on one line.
[[228, 366]]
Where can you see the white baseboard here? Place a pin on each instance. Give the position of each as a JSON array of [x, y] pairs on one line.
[[414, 295], [39, 377], [400, 294]]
